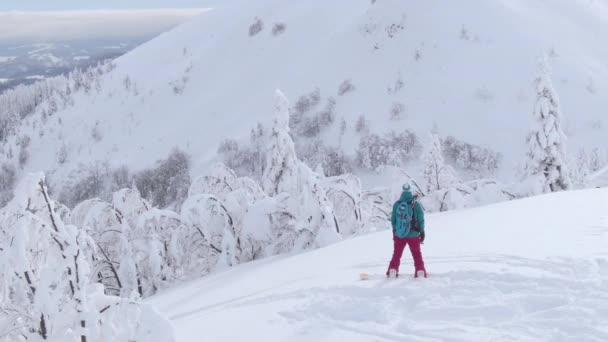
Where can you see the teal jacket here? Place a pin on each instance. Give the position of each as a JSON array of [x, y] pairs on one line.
[[407, 196]]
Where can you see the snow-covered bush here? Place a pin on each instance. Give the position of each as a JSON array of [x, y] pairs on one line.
[[159, 251], [467, 195], [256, 27], [130, 205], [392, 149], [362, 125], [476, 160], [209, 217], [247, 160], [346, 87], [376, 206], [306, 125], [327, 115], [269, 228], [278, 29], [345, 194], [437, 174], [219, 182], [86, 182], [23, 142], [166, 185], [8, 177], [140, 249], [62, 154], [105, 226], [331, 158], [45, 280], [304, 105], [397, 111], [586, 164]]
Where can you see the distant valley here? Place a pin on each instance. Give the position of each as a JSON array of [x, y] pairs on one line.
[[25, 64]]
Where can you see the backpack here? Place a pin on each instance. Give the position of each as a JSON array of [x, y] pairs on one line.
[[405, 218]]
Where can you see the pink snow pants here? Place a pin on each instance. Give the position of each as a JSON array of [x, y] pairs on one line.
[[400, 244]]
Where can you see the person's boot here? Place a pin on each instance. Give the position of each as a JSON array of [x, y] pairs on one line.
[[392, 273], [420, 273]]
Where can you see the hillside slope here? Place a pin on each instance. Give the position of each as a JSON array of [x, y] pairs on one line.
[[465, 69], [530, 270]]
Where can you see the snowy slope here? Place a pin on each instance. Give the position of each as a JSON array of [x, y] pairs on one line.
[[529, 270], [465, 66], [600, 178]]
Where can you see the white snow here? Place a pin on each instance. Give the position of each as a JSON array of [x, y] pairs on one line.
[[529, 270], [4, 59], [212, 80], [46, 57], [600, 178]]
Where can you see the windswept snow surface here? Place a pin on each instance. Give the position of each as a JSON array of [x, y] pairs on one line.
[[530, 270]]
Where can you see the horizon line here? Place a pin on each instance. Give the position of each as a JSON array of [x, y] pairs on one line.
[[107, 10]]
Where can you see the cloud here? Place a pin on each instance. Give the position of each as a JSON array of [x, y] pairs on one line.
[[21, 27]]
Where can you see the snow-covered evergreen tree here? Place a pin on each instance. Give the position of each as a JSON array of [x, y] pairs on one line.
[[545, 167], [281, 161], [437, 174]]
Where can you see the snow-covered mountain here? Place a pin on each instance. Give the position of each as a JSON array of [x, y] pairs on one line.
[[41, 44], [445, 97], [517, 271], [463, 69]]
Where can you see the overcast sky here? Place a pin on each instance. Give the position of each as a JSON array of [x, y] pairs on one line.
[[55, 5], [68, 25], [25, 21]]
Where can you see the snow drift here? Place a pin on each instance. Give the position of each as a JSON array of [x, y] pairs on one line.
[[529, 270]]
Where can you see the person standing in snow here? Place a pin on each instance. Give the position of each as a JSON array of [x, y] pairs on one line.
[[408, 229]]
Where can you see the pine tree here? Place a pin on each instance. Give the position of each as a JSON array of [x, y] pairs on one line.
[[546, 162], [437, 174], [281, 161]]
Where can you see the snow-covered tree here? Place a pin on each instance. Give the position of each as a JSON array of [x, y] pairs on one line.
[[345, 194], [208, 216], [45, 280], [141, 252], [317, 210], [268, 228], [545, 167], [130, 204], [437, 174], [219, 182], [284, 173], [159, 245], [107, 227], [281, 161]]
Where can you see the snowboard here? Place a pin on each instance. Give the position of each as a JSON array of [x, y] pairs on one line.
[[376, 276]]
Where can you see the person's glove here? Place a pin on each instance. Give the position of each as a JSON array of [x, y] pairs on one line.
[[422, 237]]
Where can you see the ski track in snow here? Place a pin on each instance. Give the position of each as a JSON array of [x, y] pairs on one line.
[[492, 287], [550, 300]]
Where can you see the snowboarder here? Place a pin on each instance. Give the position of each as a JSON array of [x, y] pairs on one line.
[[408, 229]]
